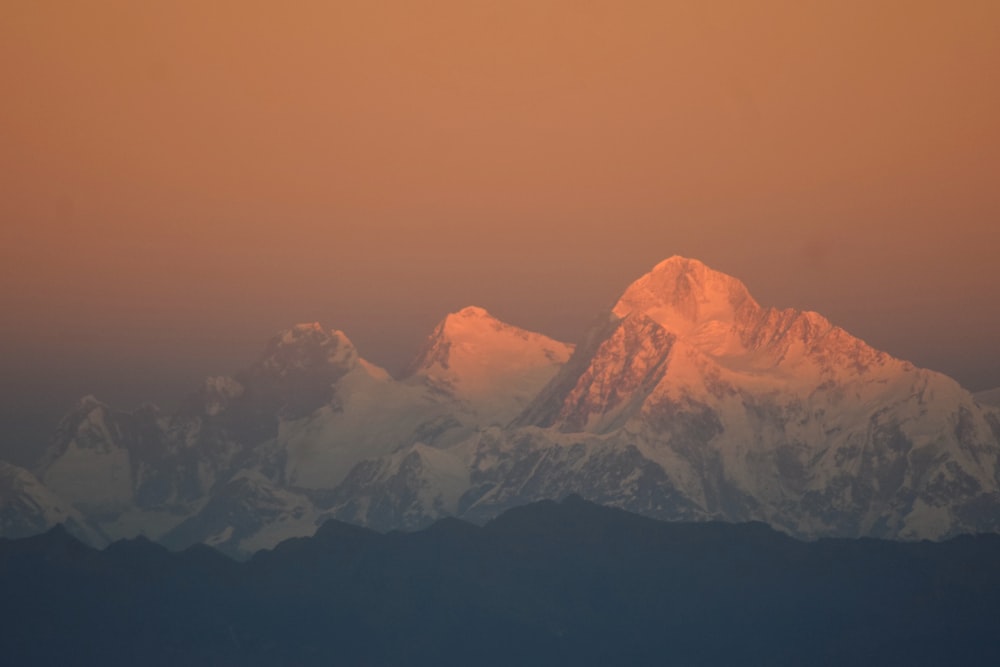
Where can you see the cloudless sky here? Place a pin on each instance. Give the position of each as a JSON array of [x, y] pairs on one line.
[[182, 179]]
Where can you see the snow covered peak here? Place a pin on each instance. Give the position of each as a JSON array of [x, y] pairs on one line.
[[495, 367], [684, 295], [469, 321], [474, 336], [685, 330], [470, 312]]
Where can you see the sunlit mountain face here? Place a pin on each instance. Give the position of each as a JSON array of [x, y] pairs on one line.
[[686, 400]]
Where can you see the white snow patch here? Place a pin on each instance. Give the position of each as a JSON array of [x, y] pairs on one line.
[[926, 522]]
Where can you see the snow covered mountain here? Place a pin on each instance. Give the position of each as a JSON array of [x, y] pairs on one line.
[[254, 459], [134, 472], [688, 401], [28, 508], [693, 401], [491, 368], [474, 370]]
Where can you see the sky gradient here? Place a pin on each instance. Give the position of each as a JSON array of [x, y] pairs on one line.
[[182, 179]]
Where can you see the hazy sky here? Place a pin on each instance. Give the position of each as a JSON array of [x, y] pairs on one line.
[[182, 179]]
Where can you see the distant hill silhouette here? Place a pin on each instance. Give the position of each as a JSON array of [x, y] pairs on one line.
[[568, 583]]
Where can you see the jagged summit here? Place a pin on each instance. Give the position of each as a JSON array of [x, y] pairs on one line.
[[683, 294], [306, 345], [306, 332]]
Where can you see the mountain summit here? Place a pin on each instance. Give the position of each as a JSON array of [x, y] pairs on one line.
[[683, 295], [688, 400], [492, 367]]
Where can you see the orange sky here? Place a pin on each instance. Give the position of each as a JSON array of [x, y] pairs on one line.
[[181, 179]]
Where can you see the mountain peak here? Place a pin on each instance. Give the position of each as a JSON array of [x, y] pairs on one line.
[[478, 359], [469, 318], [308, 331], [307, 345], [474, 332], [679, 263], [472, 312], [683, 294]]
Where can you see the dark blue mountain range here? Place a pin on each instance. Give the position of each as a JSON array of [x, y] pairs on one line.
[[568, 583]]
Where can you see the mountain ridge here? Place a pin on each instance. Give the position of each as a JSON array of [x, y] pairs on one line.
[[686, 400]]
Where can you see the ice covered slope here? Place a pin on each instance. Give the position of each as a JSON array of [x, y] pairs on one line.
[[352, 411], [492, 368], [473, 371]]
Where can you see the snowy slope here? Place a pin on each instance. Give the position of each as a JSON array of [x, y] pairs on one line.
[[355, 412], [474, 370], [493, 369], [405, 490], [27, 507], [692, 400]]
